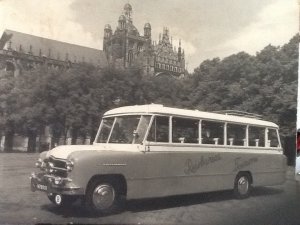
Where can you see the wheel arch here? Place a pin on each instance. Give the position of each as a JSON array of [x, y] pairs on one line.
[[117, 180], [246, 172]]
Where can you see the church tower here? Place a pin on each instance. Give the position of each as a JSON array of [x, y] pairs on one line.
[[128, 12], [127, 48], [147, 31], [107, 36]]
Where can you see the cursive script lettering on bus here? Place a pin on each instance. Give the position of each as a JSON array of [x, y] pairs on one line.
[[240, 163], [192, 166]]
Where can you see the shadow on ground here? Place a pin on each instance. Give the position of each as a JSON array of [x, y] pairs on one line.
[[78, 211]]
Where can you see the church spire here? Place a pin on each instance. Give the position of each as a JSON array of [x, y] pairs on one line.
[[179, 51], [128, 11]]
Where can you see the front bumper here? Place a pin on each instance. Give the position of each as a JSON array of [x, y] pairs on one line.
[[54, 184]]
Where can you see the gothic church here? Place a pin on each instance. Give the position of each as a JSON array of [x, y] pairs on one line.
[[123, 48]]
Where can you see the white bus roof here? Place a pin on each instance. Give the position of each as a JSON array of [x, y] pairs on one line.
[[162, 110]]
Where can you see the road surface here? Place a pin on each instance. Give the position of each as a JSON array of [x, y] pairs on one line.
[[266, 206]]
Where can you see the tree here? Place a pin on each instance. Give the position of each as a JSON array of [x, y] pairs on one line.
[[264, 84], [72, 101]]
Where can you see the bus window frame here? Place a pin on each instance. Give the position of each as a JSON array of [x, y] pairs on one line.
[[150, 126], [185, 118], [224, 128], [245, 140], [200, 123]]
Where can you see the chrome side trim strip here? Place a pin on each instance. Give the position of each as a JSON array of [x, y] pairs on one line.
[[114, 164]]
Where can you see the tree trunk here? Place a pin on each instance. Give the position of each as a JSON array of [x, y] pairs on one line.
[[54, 142], [31, 142], [74, 136], [9, 142]]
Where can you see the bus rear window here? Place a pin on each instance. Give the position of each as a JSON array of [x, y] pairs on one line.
[[273, 138]]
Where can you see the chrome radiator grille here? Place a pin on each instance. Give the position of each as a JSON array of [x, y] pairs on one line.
[[56, 167]]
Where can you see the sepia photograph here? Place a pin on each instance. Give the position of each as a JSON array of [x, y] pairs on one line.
[[149, 112]]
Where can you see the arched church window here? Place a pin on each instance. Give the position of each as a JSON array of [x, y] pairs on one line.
[[167, 67]]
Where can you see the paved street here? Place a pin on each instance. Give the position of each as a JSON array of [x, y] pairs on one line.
[[267, 205]]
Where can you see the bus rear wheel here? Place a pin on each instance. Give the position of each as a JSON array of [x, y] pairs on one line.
[[242, 186]]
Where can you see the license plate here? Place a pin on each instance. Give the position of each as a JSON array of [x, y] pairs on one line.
[[41, 187]]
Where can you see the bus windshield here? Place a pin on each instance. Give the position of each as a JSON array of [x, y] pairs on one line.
[[123, 129]]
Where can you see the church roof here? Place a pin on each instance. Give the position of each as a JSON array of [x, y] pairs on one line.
[[53, 49], [131, 29]]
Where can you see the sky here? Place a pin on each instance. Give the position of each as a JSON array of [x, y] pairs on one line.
[[207, 28]]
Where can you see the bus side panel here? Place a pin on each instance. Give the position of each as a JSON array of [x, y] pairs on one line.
[[271, 175], [269, 179], [161, 187], [165, 173]]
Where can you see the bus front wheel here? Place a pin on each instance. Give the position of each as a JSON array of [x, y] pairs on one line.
[[242, 186], [102, 197]]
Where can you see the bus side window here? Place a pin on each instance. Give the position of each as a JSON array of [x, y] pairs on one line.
[[236, 135], [256, 136], [212, 133], [159, 131], [273, 138], [185, 130]]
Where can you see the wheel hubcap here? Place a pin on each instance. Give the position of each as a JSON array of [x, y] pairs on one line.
[[243, 185], [103, 196]]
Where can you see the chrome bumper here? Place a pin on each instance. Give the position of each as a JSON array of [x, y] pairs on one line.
[[53, 184]]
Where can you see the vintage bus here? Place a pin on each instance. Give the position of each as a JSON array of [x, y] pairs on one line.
[[154, 151]]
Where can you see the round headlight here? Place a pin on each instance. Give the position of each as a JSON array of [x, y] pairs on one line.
[[69, 165], [39, 163], [58, 180], [51, 166]]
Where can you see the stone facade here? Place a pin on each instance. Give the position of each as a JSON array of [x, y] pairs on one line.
[[20, 51], [125, 48]]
